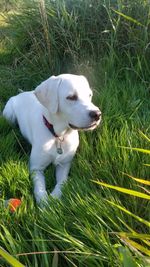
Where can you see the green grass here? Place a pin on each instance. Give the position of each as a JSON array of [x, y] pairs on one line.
[[93, 224], [82, 226]]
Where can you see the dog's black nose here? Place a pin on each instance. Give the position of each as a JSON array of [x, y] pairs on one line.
[[95, 114]]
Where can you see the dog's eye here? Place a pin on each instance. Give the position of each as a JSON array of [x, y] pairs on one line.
[[90, 95], [72, 97]]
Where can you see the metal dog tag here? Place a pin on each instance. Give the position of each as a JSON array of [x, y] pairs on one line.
[[58, 146], [59, 150]]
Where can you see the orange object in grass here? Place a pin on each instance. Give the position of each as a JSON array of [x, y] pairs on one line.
[[13, 204]]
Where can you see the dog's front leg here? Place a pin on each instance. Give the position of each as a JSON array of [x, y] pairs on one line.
[[39, 160], [39, 186], [61, 176]]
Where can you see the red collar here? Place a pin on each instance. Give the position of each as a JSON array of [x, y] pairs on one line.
[[49, 126]]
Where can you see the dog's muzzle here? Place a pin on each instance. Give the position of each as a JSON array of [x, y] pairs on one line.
[[95, 115]]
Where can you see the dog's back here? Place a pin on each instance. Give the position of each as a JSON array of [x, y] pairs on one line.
[[26, 111], [9, 112]]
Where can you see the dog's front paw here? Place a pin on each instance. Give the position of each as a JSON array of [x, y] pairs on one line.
[[56, 193], [41, 198]]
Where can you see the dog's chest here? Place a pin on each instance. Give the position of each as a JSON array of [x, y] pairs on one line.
[[63, 149]]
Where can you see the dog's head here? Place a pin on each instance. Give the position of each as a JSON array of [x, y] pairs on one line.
[[70, 96]]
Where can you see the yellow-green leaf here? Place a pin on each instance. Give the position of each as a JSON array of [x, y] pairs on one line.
[[145, 136], [124, 190], [10, 259], [146, 151], [138, 180], [137, 246], [134, 235], [128, 17], [129, 213]]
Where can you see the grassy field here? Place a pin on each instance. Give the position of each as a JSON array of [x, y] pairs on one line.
[[99, 221]]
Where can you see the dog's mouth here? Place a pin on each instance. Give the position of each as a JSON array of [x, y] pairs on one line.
[[90, 127]]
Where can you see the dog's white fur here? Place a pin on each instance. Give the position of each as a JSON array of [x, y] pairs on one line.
[[65, 101]]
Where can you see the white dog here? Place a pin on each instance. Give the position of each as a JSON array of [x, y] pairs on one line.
[[49, 118]]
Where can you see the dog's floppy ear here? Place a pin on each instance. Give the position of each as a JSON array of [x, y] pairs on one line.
[[47, 93]]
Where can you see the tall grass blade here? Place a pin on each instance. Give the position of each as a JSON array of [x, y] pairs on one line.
[[10, 259], [124, 190], [143, 237], [138, 180], [137, 246], [145, 136], [148, 165], [147, 223], [146, 151], [134, 235], [128, 17]]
